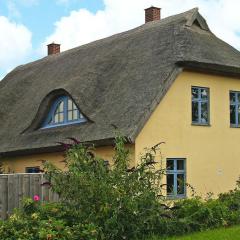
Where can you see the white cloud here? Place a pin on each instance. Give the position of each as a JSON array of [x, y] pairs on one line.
[[82, 26], [15, 44]]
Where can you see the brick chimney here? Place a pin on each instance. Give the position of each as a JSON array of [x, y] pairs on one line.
[[152, 14], [53, 48]]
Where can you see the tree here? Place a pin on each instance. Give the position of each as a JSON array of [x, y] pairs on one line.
[[123, 202]]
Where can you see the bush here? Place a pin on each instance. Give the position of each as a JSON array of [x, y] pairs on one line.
[[44, 221], [123, 202], [202, 214], [97, 201], [115, 202]]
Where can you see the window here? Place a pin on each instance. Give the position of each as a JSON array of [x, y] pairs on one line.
[[176, 177], [235, 109], [32, 169], [200, 105], [106, 163], [63, 112]]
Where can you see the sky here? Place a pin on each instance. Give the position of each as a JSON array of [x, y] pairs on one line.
[[27, 26]]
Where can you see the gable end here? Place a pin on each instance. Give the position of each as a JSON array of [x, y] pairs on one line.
[[197, 19]]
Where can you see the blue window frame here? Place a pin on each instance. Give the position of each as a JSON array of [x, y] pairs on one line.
[[234, 109], [32, 169], [200, 106], [63, 112], [176, 178]]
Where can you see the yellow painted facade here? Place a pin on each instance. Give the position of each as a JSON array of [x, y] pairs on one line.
[[212, 152], [19, 164]]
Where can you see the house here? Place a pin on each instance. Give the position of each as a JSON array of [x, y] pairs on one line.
[[168, 80]]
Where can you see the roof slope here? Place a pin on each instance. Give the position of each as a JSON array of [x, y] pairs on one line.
[[114, 81]]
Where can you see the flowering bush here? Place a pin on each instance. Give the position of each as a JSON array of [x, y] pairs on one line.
[[114, 202], [97, 201], [123, 202], [47, 221]]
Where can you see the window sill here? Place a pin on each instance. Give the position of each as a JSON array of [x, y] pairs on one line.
[[63, 124], [201, 124]]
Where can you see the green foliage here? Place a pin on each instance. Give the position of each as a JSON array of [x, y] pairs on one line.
[[115, 202], [48, 221], [123, 202], [199, 214]]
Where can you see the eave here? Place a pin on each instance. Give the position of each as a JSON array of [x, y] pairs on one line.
[[210, 68]]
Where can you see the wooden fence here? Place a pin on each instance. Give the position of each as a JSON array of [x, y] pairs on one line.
[[15, 187]]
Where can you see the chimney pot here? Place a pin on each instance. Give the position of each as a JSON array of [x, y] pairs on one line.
[[53, 48], [152, 14]]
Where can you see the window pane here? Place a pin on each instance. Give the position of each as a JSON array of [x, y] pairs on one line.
[[180, 164], [180, 184], [232, 97], [61, 116], [74, 106], [70, 115], [56, 118], [75, 114], [57, 110], [170, 164], [194, 93], [70, 104], [232, 114], [170, 184], [204, 112], [61, 106], [194, 111], [238, 97], [204, 94]]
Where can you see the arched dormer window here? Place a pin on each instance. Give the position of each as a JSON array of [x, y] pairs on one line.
[[63, 112]]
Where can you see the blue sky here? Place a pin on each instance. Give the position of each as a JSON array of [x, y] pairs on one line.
[[40, 16], [26, 26]]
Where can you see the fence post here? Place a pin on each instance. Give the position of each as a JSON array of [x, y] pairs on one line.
[[3, 196]]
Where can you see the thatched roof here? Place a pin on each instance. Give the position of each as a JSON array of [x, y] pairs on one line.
[[117, 81]]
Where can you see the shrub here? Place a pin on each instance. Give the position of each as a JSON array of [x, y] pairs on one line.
[[44, 221], [115, 202], [123, 202], [97, 201]]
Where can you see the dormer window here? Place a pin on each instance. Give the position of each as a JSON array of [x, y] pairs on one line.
[[63, 112]]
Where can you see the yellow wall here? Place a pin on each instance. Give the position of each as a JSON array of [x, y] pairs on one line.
[[19, 164], [212, 152]]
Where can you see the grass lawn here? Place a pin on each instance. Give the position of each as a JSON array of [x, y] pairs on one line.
[[232, 233]]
